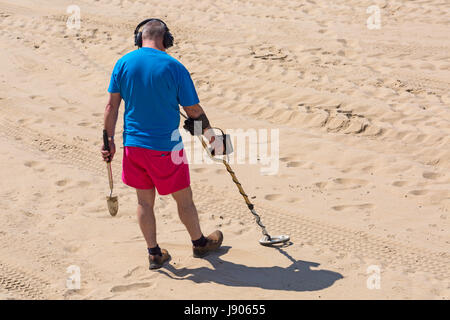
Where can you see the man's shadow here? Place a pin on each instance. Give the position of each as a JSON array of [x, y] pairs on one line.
[[296, 277]]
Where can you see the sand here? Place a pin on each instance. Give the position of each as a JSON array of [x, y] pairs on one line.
[[362, 185]]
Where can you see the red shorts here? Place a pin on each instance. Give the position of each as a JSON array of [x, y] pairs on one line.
[[168, 171]]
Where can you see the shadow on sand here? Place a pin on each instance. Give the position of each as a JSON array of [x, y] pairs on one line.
[[296, 277]]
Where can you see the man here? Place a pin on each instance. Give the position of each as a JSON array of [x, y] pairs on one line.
[[153, 85]]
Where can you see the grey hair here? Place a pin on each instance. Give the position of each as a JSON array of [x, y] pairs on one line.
[[153, 30]]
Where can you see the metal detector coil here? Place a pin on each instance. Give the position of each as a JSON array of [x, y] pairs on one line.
[[269, 241]]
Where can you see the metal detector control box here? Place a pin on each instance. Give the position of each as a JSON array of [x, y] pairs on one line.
[[227, 146]]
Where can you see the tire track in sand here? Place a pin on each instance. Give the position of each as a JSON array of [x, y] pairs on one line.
[[21, 284]]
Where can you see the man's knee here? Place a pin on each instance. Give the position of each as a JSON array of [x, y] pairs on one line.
[[146, 199], [147, 205], [184, 197]]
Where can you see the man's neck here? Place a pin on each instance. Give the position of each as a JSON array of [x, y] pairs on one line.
[[153, 45]]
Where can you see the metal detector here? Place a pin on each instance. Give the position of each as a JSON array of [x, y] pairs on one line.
[[266, 240]]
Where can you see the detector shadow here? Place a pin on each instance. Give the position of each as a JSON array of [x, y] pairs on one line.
[[296, 277]]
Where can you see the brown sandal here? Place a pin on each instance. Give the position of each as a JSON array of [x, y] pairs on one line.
[[214, 241], [157, 261]]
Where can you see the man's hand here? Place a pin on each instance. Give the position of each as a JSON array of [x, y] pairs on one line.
[[197, 122], [190, 126], [195, 112], [109, 155]]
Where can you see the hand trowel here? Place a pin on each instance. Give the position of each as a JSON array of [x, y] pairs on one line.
[[113, 202]]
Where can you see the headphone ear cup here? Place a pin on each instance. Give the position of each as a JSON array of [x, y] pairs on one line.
[[168, 40], [138, 40]]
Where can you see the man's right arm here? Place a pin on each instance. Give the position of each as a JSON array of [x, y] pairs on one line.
[[194, 111]]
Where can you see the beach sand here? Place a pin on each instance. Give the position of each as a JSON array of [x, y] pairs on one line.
[[363, 123]]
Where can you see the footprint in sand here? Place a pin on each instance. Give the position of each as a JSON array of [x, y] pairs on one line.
[[349, 207], [61, 183], [431, 175], [351, 183], [71, 248], [418, 192], [133, 286], [200, 170], [83, 183], [292, 200], [273, 197], [286, 176], [367, 169], [294, 164], [399, 183], [34, 165], [342, 41], [287, 159], [321, 185], [134, 271], [33, 97], [278, 197], [341, 184], [31, 164]]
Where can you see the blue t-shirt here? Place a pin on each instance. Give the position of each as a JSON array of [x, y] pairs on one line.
[[153, 85]]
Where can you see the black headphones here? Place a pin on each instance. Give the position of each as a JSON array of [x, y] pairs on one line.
[[168, 37]]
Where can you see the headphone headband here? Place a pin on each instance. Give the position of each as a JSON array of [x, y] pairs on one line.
[[168, 38], [147, 21]]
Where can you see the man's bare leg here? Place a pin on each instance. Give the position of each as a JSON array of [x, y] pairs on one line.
[[146, 216], [188, 212]]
